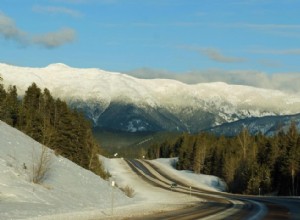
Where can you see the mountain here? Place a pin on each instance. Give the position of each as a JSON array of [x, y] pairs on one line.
[[268, 125], [116, 101]]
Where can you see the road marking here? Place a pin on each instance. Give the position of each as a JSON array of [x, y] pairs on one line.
[[262, 210]]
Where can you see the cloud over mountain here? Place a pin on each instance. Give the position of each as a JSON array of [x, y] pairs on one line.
[[217, 56], [10, 31], [55, 39], [288, 82]]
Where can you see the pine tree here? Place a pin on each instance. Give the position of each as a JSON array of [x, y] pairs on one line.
[[12, 106], [291, 161], [244, 141], [199, 153], [30, 113], [185, 157], [2, 100]]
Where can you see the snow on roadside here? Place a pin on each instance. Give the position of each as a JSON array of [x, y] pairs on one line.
[[69, 191], [144, 192], [206, 182]]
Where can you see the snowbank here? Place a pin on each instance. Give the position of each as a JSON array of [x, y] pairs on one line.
[[206, 182], [144, 192]]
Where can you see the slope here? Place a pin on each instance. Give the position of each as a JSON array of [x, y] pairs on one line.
[[66, 188]]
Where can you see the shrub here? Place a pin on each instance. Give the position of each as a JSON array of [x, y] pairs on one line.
[[128, 191], [40, 165]]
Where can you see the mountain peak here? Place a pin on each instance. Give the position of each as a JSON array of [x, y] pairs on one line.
[[57, 65]]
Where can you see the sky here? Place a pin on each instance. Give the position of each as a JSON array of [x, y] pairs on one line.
[[182, 39]]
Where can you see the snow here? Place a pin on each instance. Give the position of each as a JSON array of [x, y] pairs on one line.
[[69, 191], [66, 188], [99, 86], [144, 192], [207, 182]]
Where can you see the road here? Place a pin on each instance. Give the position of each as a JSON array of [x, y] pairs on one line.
[[218, 205]]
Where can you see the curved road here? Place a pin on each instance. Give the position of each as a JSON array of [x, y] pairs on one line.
[[219, 205]]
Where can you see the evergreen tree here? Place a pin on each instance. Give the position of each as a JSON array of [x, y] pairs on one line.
[[52, 123], [290, 160], [2, 100], [199, 153], [30, 113], [12, 106]]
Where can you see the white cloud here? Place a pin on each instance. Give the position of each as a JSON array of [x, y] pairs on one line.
[[56, 10], [270, 63], [285, 30], [215, 55], [295, 51], [288, 82], [10, 31], [55, 39]]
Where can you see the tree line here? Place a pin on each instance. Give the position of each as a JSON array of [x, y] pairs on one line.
[[249, 164], [52, 123]]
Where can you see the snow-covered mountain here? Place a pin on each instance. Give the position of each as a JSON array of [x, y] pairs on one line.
[[120, 102], [267, 125]]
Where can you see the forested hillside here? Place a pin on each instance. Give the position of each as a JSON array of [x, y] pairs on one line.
[[51, 122], [249, 164]]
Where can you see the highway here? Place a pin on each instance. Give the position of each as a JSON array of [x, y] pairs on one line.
[[217, 205]]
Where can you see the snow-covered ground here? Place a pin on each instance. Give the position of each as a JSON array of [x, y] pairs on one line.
[[71, 192], [205, 182]]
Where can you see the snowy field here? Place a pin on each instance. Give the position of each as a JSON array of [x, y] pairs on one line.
[[71, 192]]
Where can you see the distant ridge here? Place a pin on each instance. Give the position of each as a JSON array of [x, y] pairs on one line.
[[117, 101], [267, 125]]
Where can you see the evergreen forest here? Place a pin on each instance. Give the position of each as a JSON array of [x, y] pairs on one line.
[[52, 123], [249, 164]]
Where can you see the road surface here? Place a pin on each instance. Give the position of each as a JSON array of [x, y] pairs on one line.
[[218, 205]]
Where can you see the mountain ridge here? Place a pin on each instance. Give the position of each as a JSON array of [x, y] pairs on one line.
[[267, 125], [150, 104]]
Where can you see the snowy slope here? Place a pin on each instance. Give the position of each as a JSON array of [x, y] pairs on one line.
[[127, 103], [71, 192], [67, 187]]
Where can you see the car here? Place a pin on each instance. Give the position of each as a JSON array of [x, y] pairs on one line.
[[173, 185]]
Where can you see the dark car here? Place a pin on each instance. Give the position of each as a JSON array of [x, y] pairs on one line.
[[173, 185]]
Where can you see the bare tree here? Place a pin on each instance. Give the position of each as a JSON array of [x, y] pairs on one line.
[[41, 163], [244, 140]]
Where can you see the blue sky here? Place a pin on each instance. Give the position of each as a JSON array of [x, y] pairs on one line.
[[177, 36]]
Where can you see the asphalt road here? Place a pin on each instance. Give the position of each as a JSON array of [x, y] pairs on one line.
[[218, 205]]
